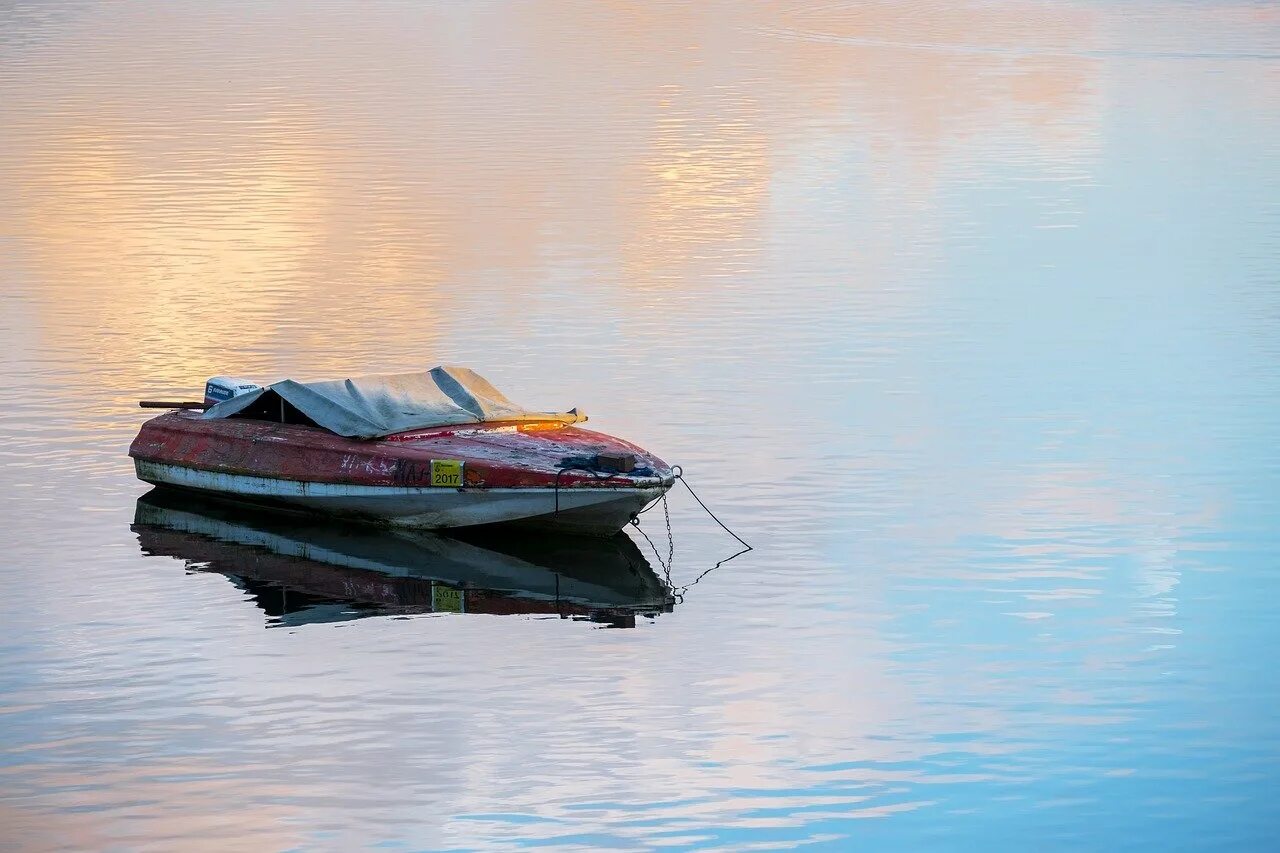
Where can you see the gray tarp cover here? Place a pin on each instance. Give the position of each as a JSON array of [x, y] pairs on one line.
[[374, 406]]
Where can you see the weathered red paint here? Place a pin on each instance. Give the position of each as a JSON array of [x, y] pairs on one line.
[[494, 455]]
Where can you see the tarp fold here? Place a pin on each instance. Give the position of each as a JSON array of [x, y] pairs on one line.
[[376, 406]]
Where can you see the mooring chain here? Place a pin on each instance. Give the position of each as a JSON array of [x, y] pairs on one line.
[[671, 540], [635, 522], [678, 593]]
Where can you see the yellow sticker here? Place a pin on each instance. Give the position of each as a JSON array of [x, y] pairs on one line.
[[446, 599], [447, 473]]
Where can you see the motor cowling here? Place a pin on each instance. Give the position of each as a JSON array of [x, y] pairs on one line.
[[221, 388]]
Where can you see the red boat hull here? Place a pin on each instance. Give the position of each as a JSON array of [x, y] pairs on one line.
[[536, 473]]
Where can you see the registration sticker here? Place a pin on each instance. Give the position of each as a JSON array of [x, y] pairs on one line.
[[447, 599], [447, 473]]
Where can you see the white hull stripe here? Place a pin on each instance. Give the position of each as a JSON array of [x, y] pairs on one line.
[[419, 506]]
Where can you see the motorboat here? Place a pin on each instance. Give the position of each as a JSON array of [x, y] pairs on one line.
[[434, 449], [303, 569]]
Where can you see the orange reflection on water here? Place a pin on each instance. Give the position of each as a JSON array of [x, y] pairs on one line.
[[703, 185], [170, 238], [382, 192], [89, 806]]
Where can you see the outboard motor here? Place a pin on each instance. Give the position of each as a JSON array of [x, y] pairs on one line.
[[221, 388]]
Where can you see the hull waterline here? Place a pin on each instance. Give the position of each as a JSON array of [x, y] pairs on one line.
[[597, 511]]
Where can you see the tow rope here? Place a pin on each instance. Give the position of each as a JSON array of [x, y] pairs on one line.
[[678, 592]]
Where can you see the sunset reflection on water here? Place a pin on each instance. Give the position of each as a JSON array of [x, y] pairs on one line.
[[963, 314]]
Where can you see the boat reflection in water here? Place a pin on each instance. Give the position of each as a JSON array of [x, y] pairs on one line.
[[299, 569]]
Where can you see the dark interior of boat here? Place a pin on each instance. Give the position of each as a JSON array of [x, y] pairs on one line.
[[274, 408]]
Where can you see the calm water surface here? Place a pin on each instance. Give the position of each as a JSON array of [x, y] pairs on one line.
[[966, 315]]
